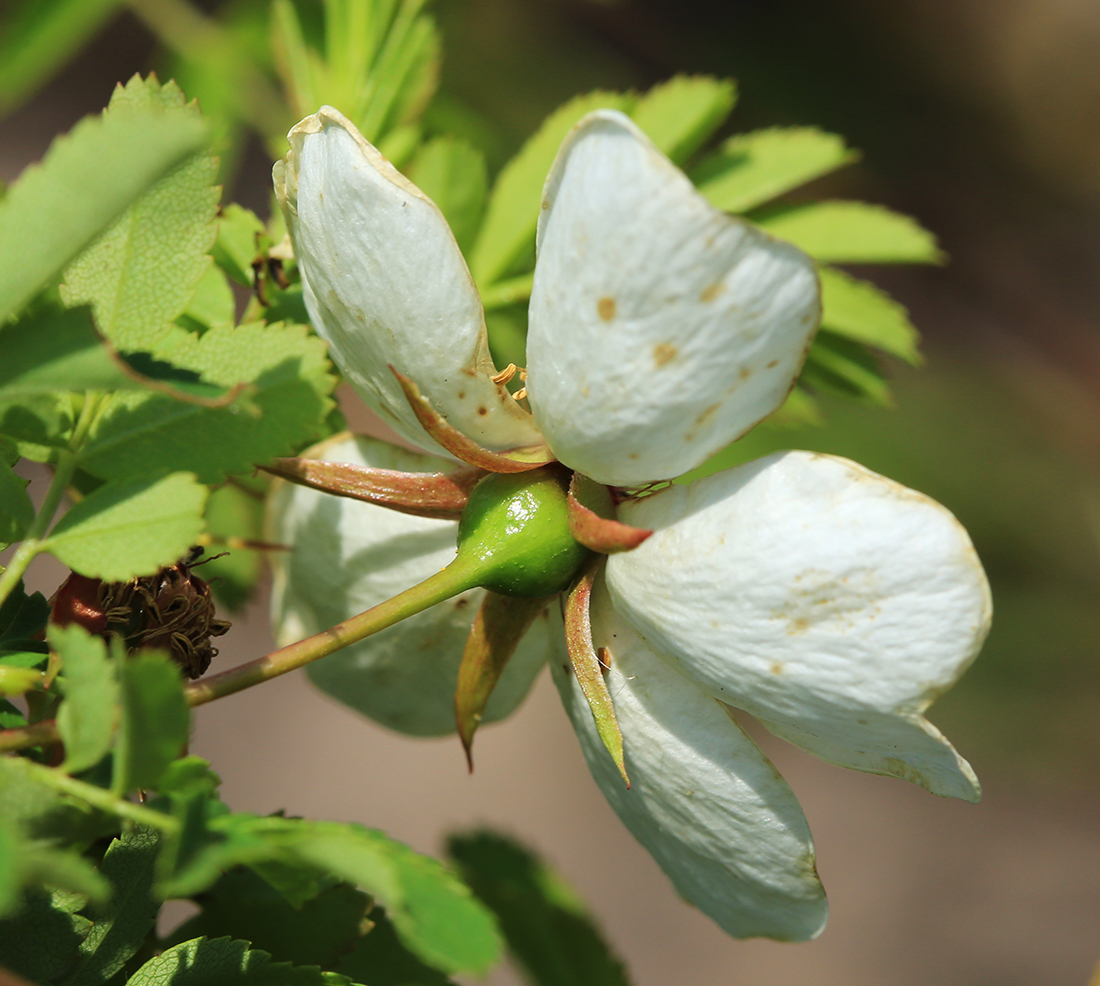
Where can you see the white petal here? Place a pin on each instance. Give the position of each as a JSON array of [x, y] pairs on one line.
[[386, 284], [349, 556], [827, 600], [704, 801], [661, 329]]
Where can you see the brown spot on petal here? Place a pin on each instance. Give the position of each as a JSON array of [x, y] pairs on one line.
[[605, 308], [707, 413], [745, 373], [462, 395], [663, 353], [776, 667], [774, 363], [712, 292], [483, 410]]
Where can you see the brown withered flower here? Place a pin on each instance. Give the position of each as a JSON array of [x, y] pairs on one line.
[[171, 610]]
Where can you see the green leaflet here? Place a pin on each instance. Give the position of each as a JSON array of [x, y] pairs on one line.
[[42, 940], [235, 512], [845, 367], [320, 931], [39, 38], [85, 182], [224, 962], [154, 723], [864, 313], [289, 382], [839, 232], [513, 209], [435, 916], [123, 530], [212, 305], [753, 168], [22, 617], [380, 959], [452, 174], [121, 923], [88, 715], [548, 930], [16, 509], [139, 276], [238, 243], [680, 114]]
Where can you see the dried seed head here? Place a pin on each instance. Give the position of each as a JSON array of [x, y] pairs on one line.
[[172, 610]]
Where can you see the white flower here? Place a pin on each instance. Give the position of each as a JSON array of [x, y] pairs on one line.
[[827, 601]]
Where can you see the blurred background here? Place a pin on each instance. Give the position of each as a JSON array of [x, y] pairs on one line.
[[982, 119]]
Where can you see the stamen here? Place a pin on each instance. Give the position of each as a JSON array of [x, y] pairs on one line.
[[520, 394], [506, 374]]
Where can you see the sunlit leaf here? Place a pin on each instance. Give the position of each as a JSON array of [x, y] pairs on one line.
[[680, 114], [751, 169], [140, 275], [838, 232], [85, 182], [452, 174], [862, 312], [513, 210], [123, 530], [154, 722]]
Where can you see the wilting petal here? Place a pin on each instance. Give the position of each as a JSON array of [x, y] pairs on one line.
[[349, 556], [830, 602], [385, 284], [661, 328], [704, 801]]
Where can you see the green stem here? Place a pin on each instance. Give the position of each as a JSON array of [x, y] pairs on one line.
[[455, 578], [97, 797]]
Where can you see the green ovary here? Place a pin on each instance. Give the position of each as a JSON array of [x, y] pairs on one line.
[[514, 533]]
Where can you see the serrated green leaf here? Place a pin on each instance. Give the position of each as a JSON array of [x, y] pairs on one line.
[[839, 232], [680, 114], [85, 182], [155, 720], [16, 509], [212, 305], [244, 905], [845, 367], [513, 210], [22, 616], [452, 174], [547, 928], [864, 313], [233, 515], [53, 349], [63, 868], [139, 276], [751, 169], [42, 940], [380, 959], [38, 423], [224, 962], [42, 814], [121, 923], [88, 715], [290, 382], [434, 913], [238, 242], [123, 530], [40, 37]]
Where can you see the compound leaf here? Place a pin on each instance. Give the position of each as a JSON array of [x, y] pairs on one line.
[[123, 530]]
